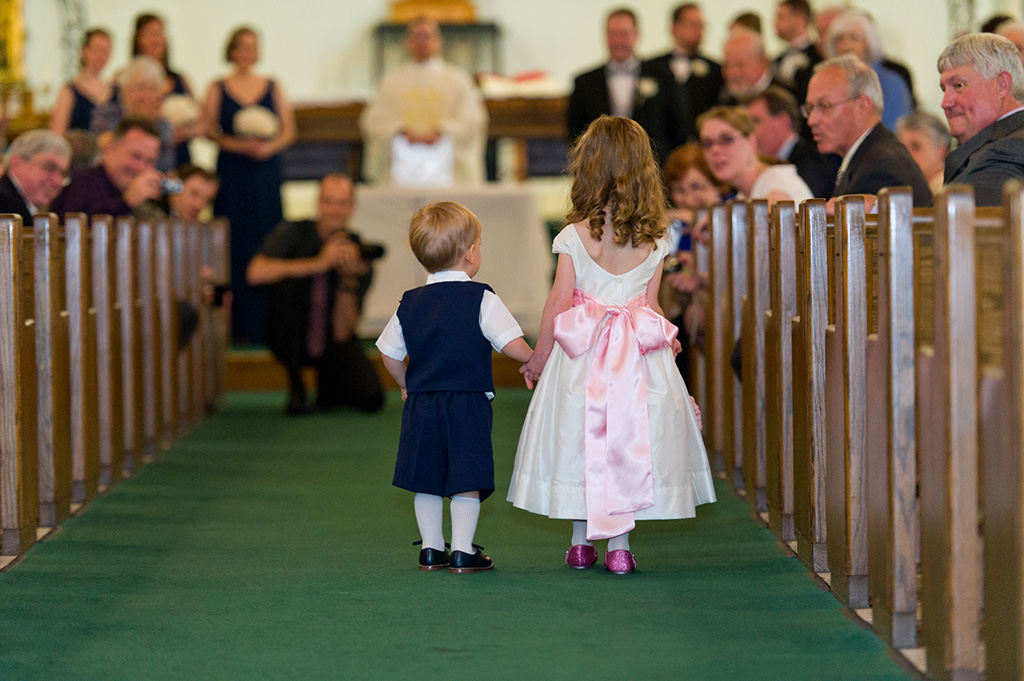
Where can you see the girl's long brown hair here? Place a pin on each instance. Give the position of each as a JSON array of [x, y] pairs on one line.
[[613, 169]]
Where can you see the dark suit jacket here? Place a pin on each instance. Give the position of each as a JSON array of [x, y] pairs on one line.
[[12, 202], [818, 170], [802, 76], [681, 103], [590, 100], [882, 161], [989, 159]]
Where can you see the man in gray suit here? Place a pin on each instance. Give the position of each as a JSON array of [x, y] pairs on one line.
[[983, 96], [844, 111]]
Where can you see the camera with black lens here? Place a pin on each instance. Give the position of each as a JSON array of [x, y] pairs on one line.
[[371, 251]]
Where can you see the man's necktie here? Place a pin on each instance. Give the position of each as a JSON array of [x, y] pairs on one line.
[[316, 341]]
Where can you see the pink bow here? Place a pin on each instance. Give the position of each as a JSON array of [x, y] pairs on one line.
[[617, 443]]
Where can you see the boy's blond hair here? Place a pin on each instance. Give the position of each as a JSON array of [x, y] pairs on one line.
[[441, 233]]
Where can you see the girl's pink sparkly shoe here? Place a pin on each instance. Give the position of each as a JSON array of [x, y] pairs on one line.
[[581, 556], [619, 562]]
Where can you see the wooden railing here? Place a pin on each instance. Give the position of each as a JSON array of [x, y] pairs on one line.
[[92, 383], [882, 403]]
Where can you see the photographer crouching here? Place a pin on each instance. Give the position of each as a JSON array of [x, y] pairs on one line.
[[320, 272]]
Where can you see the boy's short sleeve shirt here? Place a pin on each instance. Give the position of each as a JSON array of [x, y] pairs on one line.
[[496, 322]]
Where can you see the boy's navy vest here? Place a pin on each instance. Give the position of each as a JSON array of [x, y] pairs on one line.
[[447, 349]]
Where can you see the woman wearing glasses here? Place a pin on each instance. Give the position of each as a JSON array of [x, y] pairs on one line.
[[691, 187], [730, 148]]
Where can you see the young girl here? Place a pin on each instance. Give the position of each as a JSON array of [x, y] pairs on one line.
[[611, 435]]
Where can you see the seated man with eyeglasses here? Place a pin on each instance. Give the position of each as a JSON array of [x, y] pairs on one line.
[[36, 166], [125, 178], [844, 111]]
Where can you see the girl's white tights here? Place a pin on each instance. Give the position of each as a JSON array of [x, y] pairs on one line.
[[579, 536]]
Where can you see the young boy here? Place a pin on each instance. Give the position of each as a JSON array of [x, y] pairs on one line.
[[448, 328]]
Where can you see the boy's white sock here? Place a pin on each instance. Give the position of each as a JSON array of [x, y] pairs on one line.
[[465, 514], [620, 542], [579, 533], [429, 516]]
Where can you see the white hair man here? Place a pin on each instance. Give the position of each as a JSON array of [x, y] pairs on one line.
[[36, 167], [982, 82]]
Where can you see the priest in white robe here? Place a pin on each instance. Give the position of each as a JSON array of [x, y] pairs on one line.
[[427, 126]]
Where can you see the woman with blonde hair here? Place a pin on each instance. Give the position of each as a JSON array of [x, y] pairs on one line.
[[730, 148]]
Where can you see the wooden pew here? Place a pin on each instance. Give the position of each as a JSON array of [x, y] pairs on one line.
[[85, 444], [718, 342], [756, 303], [151, 335], [19, 472], [809, 328], [193, 295], [778, 329], [1003, 465], [108, 351], [180, 248], [217, 336], [947, 390], [53, 372], [168, 314], [846, 405], [732, 393], [892, 523], [131, 344]]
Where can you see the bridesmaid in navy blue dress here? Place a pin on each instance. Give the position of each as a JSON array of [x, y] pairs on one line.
[[249, 168], [151, 40], [77, 99]]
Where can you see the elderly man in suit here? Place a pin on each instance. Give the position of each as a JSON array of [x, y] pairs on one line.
[[621, 87], [688, 81], [844, 111], [746, 68], [983, 96], [37, 164]]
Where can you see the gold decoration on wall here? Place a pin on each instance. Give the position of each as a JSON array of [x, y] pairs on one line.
[[12, 42], [441, 11]]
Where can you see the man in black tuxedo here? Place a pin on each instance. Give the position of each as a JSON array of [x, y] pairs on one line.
[[794, 67], [621, 87], [776, 119], [688, 81], [37, 163], [844, 111], [983, 96]]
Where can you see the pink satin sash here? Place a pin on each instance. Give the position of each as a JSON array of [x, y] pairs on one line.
[[617, 444]]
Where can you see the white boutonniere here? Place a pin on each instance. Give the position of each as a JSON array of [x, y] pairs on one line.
[[699, 67], [799, 61], [646, 87]]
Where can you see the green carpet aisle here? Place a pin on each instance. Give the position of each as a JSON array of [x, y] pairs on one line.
[[263, 547]]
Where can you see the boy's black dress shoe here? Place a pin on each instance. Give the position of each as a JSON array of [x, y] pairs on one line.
[[433, 559], [469, 562]]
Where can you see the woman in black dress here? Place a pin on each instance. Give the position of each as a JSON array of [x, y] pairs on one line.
[[249, 167]]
